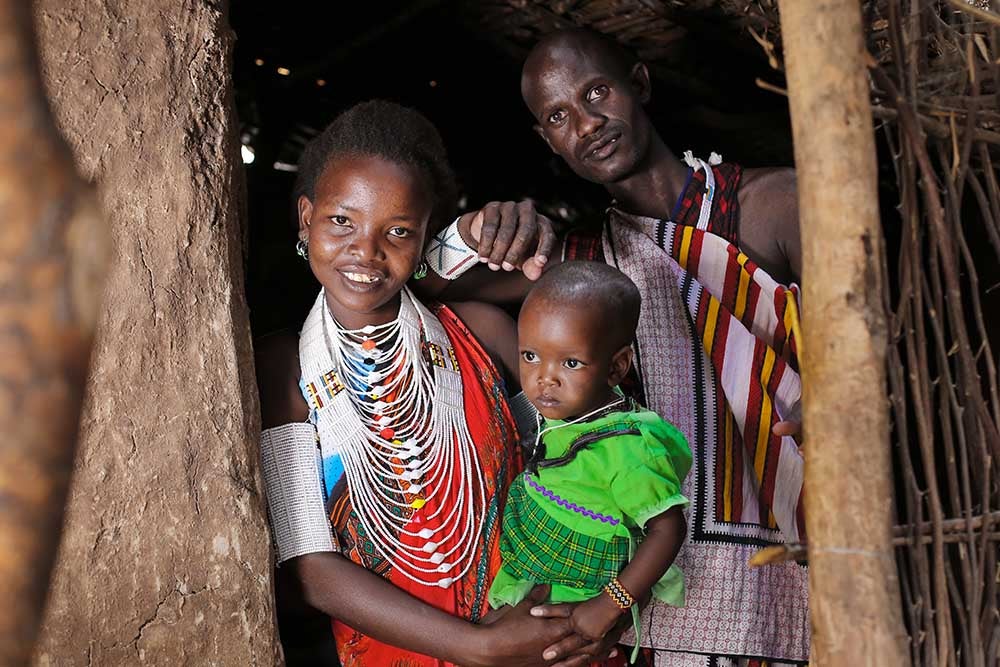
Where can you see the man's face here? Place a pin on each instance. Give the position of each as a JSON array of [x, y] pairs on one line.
[[588, 112]]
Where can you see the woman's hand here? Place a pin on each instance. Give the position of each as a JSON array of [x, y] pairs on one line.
[[512, 636], [575, 650], [510, 235], [594, 618]]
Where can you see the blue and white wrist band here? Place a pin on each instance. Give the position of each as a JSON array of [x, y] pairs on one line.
[[448, 255]]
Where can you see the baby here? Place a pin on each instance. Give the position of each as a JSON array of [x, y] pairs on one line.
[[598, 512]]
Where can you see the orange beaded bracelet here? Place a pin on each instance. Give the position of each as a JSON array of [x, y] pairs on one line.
[[618, 594]]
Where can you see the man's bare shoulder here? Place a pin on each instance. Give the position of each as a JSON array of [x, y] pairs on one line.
[[769, 220], [760, 183]]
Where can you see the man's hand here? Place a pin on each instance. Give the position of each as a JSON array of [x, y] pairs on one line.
[[793, 429], [510, 235]]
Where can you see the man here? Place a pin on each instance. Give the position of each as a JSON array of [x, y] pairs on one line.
[[714, 351], [587, 100]]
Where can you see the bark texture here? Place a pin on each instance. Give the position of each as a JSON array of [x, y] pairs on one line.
[[854, 591], [166, 557]]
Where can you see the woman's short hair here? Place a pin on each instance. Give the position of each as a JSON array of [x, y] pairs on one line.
[[390, 131]]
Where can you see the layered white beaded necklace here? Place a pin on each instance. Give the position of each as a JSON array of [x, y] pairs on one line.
[[399, 453]]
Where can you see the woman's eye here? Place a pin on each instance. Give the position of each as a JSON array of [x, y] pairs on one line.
[[400, 232], [557, 117], [340, 220], [597, 92], [529, 357], [572, 364]]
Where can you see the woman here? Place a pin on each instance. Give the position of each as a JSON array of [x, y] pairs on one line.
[[406, 409]]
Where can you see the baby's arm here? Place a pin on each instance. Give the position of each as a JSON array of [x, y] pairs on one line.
[[664, 536]]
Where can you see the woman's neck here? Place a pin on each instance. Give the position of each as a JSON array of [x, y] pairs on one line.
[[353, 320]]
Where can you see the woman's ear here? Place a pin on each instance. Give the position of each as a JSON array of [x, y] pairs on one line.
[[305, 209], [620, 363]]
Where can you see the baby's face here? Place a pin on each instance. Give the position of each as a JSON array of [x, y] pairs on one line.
[[565, 361]]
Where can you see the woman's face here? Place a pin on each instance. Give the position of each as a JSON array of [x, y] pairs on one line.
[[365, 228]]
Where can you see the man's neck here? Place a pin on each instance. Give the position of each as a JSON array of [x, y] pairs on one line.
[[655, 186]]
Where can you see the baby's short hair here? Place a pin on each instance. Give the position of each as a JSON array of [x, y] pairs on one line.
[[594, 285]]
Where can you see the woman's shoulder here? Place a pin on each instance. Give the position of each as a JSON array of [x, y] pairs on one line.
[[276, 357]]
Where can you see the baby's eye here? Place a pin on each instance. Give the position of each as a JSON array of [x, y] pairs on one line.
[[573, 364], [400, 232], [340, 220], [529, 356]]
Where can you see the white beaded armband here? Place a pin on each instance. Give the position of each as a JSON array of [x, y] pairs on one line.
[[526, 418], [448, 255], [290, 461]]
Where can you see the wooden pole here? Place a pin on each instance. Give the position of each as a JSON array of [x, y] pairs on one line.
[[854, 594], [53, 254]]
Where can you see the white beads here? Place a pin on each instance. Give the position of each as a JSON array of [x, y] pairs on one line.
[[392, 449]]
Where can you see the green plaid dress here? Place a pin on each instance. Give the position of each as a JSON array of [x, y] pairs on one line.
[[575, 525]]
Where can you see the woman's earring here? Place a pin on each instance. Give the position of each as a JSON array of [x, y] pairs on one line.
[[302, 249], [421, 271]]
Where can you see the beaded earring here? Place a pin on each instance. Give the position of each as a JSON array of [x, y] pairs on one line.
[[421, 271]]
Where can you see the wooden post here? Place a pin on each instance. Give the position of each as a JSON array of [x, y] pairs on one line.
[[53, 254], [855, 603]]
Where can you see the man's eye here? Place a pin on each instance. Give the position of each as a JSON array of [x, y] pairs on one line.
[[529, 357], [557, 117], [340, 220], [572, 364], [401, 232], [597, 92]]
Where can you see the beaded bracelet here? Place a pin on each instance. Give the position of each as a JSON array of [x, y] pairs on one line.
[[618, 594], [448, 255]]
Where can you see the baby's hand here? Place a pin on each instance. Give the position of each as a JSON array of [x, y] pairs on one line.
[[595, 617]]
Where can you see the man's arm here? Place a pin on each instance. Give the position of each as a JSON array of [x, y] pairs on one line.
[[769, 222], [513, 243]]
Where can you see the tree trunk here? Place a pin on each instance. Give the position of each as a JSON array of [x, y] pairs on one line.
[[854, 595], [166, 556]]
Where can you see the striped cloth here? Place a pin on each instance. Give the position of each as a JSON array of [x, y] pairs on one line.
[[744, 320]]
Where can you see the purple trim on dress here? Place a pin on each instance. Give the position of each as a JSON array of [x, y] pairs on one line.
[[597, 516]]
